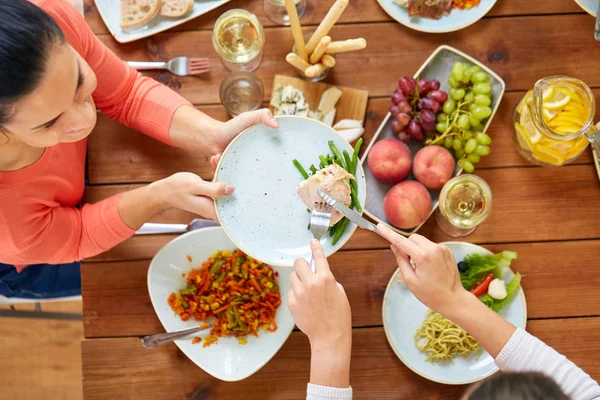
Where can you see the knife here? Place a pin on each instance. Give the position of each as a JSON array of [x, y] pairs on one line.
[[597, 26], [347, 212]]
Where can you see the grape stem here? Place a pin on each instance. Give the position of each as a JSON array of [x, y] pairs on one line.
[[449, 129]]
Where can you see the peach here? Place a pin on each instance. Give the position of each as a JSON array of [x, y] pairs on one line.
[[390, 161], [407, 204], [433, 166]]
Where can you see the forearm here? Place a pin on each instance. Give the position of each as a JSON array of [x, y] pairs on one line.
[[330, 364], [487, 327], [194, 130], [139, 205]]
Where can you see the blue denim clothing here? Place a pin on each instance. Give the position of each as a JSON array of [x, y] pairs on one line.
[[40, 281]]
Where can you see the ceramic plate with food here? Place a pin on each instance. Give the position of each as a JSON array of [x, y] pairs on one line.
[[590, 6], [267, 215], [404, 316], [180, 270], [435, 16], [129, 20]]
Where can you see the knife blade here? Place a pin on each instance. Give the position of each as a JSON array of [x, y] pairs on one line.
[[347, 212]]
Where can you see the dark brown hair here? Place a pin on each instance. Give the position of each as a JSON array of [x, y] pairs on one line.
[[27, 35], [518, 386]]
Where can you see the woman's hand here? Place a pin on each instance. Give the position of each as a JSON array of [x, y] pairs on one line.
[[435, 280], [321, 310], [189, 192]]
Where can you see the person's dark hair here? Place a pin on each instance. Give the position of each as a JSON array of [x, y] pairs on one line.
[[27, 35], [518, 386]]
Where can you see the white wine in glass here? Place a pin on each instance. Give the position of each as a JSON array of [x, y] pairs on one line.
[[465, 202], [239, 38]]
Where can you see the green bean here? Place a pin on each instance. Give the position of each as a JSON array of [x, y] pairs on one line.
[[329, 159], [230, 318], [189, 290], [337, 155], [333, 229], [348, 163], [308, 226], [324, 162], [301, 169], [216, 266], [340, 230], [355, 154], [312, 168], [355, 201]]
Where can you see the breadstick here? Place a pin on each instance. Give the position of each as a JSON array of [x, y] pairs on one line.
[[314, 70], [325, 26], [320, 49], [346, 45], [296, 29], [297, 62], [328, 60]]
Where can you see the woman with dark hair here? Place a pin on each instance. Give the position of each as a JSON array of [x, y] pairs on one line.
[[531, 370], [54, 73]]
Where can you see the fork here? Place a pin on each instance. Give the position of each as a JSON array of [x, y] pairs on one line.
[[180, 66], [319, 224]]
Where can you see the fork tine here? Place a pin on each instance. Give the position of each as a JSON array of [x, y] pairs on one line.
[[198, 72], [199, 64]]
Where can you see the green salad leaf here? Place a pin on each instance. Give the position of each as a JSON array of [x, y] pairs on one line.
[[479, 265], [511, 290]]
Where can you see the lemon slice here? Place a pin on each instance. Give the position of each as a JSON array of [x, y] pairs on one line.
[[559, 101], [567, 119], [570, 93], [522, 137], [549, 115], [548, 156], [547, 95], [525, 116], [567, 129], [528, 97], [532, 133], [578, 148]]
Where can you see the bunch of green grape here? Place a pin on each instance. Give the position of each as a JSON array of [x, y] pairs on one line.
[[460, 126]]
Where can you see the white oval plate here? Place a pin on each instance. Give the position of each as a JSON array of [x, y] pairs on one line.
[[403, 315], [264, 216], [226, 360], [454, 21], [589, 6]]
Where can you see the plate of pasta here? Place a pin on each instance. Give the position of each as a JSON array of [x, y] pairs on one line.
[[431, 345]]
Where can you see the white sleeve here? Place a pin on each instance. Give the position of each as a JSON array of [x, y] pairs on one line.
[[526, 353], [316, 392]]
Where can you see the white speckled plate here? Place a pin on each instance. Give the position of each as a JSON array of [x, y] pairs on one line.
[[226, 360], [403, 315], [590, 6], [264, 216], [454, 21]]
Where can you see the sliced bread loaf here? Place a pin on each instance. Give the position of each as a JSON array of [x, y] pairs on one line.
[[138, 12], [176, 8]]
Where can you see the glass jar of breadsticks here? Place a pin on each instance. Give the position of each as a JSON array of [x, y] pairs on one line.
[[313, 54]]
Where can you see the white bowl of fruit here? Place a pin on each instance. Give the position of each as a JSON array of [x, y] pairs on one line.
[[435, 129]]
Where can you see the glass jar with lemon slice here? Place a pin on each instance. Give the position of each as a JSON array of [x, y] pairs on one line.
[[553, 123]]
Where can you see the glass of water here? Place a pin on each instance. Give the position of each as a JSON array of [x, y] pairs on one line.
[[240, 92]]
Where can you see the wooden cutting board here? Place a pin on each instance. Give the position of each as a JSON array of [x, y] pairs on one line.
[[352, 103]]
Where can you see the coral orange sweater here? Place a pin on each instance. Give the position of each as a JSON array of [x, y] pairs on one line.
[[39, 220]]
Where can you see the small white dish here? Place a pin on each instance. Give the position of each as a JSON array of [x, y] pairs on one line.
[[226, 360], [589, 6], [264, 217], [110, 11], [454, 21], [403, 315]]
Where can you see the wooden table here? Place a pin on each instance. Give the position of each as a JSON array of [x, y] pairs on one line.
[[550, 216]]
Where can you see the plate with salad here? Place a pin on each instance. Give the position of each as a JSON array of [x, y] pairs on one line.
[[454, 357], [276, 174]]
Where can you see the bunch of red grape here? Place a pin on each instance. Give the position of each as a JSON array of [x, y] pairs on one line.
[[415, 105]]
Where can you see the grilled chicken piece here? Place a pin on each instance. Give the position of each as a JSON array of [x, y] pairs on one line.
[[434, 9], [331, 179]]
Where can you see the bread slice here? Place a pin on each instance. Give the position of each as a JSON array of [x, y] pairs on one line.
[[138, 12], [176, 8]]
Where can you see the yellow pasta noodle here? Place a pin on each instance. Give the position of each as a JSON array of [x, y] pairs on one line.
[[441, 339]]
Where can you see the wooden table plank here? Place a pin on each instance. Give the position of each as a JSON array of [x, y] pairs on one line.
[[529, 205], [117, 154], [376, 372], [115, 293], [357, 11], [519, 45]]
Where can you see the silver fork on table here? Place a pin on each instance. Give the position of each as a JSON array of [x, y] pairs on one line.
[[319, 224], [180, 66]]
